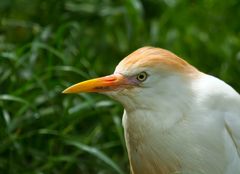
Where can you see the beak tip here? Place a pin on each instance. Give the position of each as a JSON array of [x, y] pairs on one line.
[[65, 91]]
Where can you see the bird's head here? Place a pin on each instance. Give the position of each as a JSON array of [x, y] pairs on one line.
[[140, 77]]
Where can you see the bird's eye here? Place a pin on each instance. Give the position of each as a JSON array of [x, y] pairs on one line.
[[142, 76]]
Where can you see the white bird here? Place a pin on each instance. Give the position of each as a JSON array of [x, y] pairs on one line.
[[177, 120]]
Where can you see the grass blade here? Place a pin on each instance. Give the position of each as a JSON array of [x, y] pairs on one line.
[[96, 152]]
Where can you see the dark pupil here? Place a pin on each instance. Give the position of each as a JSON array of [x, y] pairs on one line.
[[141, 76]]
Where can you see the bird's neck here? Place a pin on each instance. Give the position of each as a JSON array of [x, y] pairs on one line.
[[147, 135], [163, 117], [154, 118], [146, 122], [163, 112]]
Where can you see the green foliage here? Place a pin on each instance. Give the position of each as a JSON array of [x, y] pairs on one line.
[[47, 45]]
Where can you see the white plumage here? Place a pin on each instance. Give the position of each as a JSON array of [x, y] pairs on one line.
[[176, 119]]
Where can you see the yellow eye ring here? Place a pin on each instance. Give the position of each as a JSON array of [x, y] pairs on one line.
[[142, 76]]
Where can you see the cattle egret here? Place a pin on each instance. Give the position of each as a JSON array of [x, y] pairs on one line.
[[176, 118]]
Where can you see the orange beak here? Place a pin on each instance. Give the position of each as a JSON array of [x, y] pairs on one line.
[[102, 84]]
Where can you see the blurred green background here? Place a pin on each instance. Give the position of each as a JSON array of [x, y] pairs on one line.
[[47, 45]]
